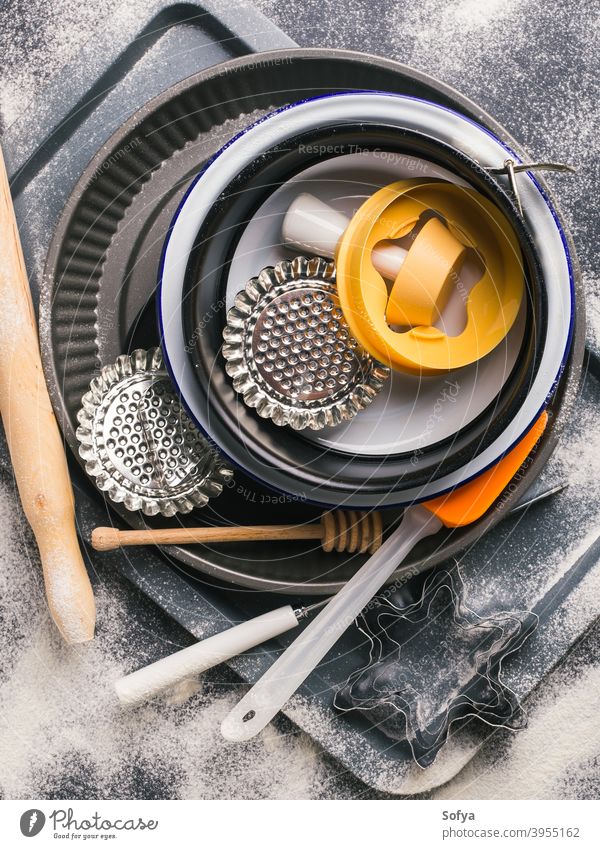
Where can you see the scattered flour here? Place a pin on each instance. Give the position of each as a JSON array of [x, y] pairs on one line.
[[64, 734], [551, 758], [48, 38]]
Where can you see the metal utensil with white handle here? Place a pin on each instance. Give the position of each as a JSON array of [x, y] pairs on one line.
[[152, 680], [464, 505]]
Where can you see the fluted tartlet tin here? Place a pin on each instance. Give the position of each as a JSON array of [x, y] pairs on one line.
[[139, 445], [290, 352]]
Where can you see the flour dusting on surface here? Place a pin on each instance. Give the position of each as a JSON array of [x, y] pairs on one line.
[[63, 733], [49, 38], [555, 757]]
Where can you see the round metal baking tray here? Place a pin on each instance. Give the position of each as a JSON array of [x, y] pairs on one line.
[[103, 261]]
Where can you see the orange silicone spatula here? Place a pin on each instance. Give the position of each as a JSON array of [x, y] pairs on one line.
[[463, 506]]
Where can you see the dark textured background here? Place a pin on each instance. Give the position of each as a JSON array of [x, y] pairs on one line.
[[533, 66]]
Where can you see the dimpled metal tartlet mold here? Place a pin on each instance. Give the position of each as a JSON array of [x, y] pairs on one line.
[[290, 352], [138, 443]]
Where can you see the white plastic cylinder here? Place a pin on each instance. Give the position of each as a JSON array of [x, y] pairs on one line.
[[315, 227], [152, 680]]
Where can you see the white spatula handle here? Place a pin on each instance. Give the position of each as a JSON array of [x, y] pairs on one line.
[[151, 680], [272, 691]]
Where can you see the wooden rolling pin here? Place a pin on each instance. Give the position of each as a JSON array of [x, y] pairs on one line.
[[34, 440], [349, 531]]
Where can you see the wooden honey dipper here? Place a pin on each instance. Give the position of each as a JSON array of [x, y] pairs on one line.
[[344, 531]]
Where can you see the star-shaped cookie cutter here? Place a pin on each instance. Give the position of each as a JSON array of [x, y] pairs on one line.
[[433, 662]]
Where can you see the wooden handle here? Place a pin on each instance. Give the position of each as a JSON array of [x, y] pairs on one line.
[[340, 530], [107, 539], [35, 442]]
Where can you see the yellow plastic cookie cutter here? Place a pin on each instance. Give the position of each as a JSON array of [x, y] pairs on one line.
[[425, 278]]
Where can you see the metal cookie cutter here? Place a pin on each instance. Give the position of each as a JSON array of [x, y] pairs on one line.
[[433, 662], [140, 446], [290, 352]]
